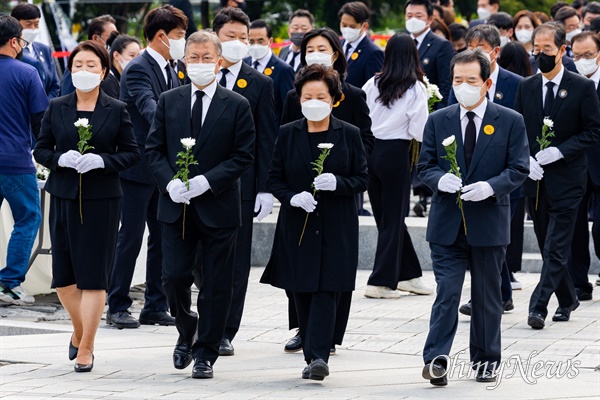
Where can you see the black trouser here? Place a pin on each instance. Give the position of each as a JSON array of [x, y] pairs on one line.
[[316, 315], [514, 251], [139, 207], [579, 262], [389, 191], [214, 298]]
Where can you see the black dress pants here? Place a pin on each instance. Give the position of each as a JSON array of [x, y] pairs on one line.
[[316, 316]]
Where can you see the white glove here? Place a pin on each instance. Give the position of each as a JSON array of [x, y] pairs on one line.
[[264, 203], [305, 201], [535, 171], [548, 156], [325, 181], [176, 188], [477, 191], [449, 183], [88, 162], [69, 159], [198, 186]]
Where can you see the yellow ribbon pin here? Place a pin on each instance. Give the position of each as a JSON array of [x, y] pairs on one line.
[[488, 129], [341, 99], [268, 71], [180, 75], [354, 56], [242, 83]]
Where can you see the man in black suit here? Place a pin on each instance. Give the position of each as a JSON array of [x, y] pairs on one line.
[[571, 103], [364, 58], [142, 82], [491, 151], [485, 9], [232, 27], [220, 122], [264, 61], [569, 17], [300, 22]]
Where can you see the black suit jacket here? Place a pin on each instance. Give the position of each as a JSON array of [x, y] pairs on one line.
[[44, 63], [594, 159], [142, 83], [352, 109], [576, 116], [112, 138], [224, 152], [258, 90], [364, 63], [283, 54], [435, 55]]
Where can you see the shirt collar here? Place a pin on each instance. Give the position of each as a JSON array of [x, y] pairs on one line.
[[479, 110], [265, 60], [234, 70], [30, 47], [209, 91], [596, 77], [421, 36], [494, 74], [162, 63], [556, 80]]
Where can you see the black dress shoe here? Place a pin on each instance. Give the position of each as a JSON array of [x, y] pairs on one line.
[[508, 306], [465, 308], [435, 373], [419, 209], [156, 318], [332, 350], [583, 296], [202, 369], [121, 320], [226, 348], [535, 320], [294, 344], [318, 370], [182, 355], [306, 372], [84, 367], [485, 376], [563, 314], [72, 350]]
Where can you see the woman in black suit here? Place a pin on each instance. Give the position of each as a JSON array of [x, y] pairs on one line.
[[323, 266], [83, 229], [123, 48], [323, 46]]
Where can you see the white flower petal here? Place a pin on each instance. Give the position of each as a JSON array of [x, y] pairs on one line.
[[188, 142], [325, 145], [448, 141]]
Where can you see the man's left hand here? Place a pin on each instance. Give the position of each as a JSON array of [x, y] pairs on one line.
[[548, 156], [476, 191]]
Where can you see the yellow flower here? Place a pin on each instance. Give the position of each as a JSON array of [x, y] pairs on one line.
[[488, 129]]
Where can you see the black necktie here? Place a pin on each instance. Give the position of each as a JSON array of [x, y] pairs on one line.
[[223, 81], [293, 60], [348, 50], [549, 100], [416, 43], [197, 114], [470, 135], [169, 76], [255, 65]]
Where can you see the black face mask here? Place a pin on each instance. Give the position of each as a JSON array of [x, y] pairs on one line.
[[545, 62], [296, 38]]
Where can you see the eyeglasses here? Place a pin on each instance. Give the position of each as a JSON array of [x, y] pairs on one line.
[[24, 41], [587, 56]]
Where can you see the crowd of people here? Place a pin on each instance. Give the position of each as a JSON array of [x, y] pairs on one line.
[[197, 134]]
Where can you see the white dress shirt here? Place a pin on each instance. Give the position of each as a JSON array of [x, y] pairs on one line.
[[289, 57], [420, 38], [353, 45], [209, 93], [494, 78], [478, 120], [162, 63], [404, 119], [556, 81], [262, 63], [231, 77], [596, 77]]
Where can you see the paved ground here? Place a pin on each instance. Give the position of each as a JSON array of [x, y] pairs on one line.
[[380, 359]]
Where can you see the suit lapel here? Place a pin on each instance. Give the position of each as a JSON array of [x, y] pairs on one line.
[[561, 94], [483, 139], [303, 144], [243, 75], [69, 113], [537, 97], [217, 106], [101, 111], [157, 71], [359, 49], [455, 129], [184, 112], [425, 45]]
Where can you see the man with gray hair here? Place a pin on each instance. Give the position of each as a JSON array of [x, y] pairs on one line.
[[216, 124]]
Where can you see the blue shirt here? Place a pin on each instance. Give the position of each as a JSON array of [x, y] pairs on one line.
[[21, 96]]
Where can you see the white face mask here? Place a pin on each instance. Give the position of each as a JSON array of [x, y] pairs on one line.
[[503, 41], [467, 95], [319, 58], [234, 50], [350, 34], [483, 13], [569, 36], [30, 34], [123, 63], [415, 25], [315, 110], [586, 67], [523, 35], [201, 74], [176, 48], [258, 51], [85, 81]]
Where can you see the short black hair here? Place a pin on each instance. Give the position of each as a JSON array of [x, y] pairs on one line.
[[457, 31], [593, 7], [25, 11], [302, 13], [564, 13], [333, 38], [484, 33], [166, 18], [318, 72], [577, 4], [557, 6], [587, 35], [120, 42], [94, 47], [594, 25], [492, 2], [9, 28], [557, 29], [230, 14], [501, 20], [470, 56], [357, 10], [260, 24], [97, 25], [426, 3]]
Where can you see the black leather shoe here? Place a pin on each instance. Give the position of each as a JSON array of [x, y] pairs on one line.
[[156, 318], [583, 296], [485, 376], [84, 367], [435, 373], [318, 370], [563, 314], [508, 306], [465, 308], [306, 372], [332, 350], [182, 355], [121, 320], [226, 348], [202, 369], [72, 350], [536, 321], [294, 344]]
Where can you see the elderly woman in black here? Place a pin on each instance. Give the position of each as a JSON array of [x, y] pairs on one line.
[[317, 263], [85, 192]]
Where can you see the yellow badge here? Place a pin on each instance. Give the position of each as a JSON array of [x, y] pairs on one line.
[[341, 99], [488, 129], [354, 56], [268, 71], [180, 75], [242, 83]]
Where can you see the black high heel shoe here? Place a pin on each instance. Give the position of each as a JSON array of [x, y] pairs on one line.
[[72, 350], [84, 367]]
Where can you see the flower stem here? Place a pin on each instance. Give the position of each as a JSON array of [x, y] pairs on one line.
[[460, 204], [80, 205], [537, 195], [305, 222], [414, 159], [183, 230]]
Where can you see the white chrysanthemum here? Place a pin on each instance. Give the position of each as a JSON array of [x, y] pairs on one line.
[[448, 141], [188, 143], [82, 122], [325, 145], [548, 122]]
